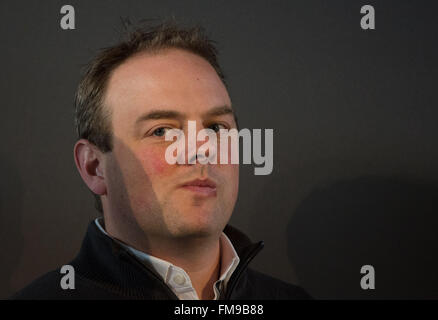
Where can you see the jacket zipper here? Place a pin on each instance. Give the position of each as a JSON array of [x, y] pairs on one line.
[[239, 271]]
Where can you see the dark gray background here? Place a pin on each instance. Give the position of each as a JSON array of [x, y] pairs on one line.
[[355, 177]]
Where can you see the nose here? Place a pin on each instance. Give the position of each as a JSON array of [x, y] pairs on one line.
[[201, 144]]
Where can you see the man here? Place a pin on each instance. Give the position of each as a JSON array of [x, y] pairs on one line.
[[164, 232]]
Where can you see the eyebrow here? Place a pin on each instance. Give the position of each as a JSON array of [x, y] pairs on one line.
[[219, 111], [159, 114], [172, 114]]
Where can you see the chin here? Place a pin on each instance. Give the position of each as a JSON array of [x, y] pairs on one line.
[[203, 225]]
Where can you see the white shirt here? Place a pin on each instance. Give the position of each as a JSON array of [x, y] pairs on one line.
[[176, 278]]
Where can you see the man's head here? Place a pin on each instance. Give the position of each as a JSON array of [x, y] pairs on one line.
[[157, 79]]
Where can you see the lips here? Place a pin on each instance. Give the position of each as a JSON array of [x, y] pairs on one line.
[[204, 187]]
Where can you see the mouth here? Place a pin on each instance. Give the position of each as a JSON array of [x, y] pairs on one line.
[[204, 187]]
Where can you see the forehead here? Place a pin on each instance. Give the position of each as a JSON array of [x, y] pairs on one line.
[[171, 79]]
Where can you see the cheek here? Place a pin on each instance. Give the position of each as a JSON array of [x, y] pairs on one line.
[[235, 174], [154, 161], [230, 176]]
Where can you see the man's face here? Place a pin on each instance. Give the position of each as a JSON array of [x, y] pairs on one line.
[[142, 188]]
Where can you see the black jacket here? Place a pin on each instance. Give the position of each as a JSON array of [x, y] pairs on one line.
[[105, 270]]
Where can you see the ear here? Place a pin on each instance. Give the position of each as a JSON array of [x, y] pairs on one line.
[[89, 161]]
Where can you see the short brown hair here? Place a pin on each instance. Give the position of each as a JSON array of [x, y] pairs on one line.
[[92, 121]]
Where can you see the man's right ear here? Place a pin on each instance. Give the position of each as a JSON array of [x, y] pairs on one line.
[[88, 159]]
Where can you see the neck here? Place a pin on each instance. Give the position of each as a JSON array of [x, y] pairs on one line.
[[199, 257], [202, 264]]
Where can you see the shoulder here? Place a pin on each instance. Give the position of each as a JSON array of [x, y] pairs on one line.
[[45, 287], [270, 288], [48, 287]]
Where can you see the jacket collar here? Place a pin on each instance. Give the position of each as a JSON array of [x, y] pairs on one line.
[[109, 265]]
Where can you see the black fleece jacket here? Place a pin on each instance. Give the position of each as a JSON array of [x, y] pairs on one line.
[[105, 270]]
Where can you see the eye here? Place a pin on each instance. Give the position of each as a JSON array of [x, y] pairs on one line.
[[160, 132], [216, 127]]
